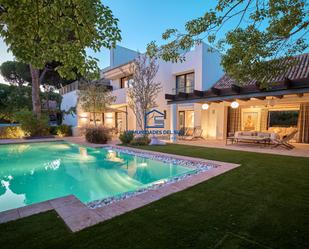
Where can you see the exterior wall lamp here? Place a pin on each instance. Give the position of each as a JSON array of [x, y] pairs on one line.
[[234, 104]]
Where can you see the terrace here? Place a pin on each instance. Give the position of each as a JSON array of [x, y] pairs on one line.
[[257, 205]]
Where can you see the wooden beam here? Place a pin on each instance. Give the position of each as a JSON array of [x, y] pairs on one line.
[[182, 95], [287, 82], [236, 88], [215, 91], [170, 96], [244, 99], [260, 98], [198, 93], [279, 96], [300, 95]]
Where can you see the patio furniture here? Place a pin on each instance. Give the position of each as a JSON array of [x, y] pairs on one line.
[[264, 138], [230, 137], [194, 133], [186, 132], [284, 141]]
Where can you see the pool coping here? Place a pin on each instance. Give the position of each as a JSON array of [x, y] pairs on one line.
[[78, 215]]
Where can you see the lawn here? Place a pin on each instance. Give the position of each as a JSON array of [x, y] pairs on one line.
[[262, 204]]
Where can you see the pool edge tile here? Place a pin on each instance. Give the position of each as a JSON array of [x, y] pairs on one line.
[[34, 209], [9, 215]]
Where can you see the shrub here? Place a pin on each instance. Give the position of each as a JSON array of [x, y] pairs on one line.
[[11, 132], [64, 130], [32, 125], [126, 137], [61, 130], [97, 135], [139, 141], [53, 130]]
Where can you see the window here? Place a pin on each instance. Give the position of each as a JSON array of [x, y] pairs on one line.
[[185, 83], [283, 118], [125, 82]]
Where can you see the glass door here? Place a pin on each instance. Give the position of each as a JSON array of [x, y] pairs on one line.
[[182, 120]]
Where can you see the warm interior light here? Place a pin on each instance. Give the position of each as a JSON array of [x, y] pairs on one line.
[[205, 106], [109, 115], [83, 115], [234, 104]]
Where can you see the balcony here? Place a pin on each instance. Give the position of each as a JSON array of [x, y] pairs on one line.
[[75, 86], [187, 89], [121, 96]]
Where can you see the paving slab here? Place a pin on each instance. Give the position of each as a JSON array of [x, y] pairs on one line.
[[34, 209], [9, 215]]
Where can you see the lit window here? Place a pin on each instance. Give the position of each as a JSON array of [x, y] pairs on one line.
[[126, 82], [185, 83]]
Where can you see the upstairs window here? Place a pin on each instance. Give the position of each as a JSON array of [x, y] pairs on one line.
[[185, 83], [125, 82]]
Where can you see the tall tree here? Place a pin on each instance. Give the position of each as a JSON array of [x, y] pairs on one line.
[[39, 32], [264, 32], [94, 97], [143, 90], [15, 72]]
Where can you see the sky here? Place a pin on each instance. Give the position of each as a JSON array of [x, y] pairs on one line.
[[142, 21]]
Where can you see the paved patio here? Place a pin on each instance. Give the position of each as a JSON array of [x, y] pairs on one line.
[[300, 150]]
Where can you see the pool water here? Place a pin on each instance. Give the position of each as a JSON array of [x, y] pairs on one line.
[[35, 172]]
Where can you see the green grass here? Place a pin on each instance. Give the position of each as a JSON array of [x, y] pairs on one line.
[[262, 204]]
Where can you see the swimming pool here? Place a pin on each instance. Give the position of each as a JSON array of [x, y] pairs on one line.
[[35, 172]]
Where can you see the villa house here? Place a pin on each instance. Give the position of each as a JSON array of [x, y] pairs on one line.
[[197, 93], [199, 71]]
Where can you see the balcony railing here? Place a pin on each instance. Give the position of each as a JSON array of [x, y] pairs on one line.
[[75, 86], [187, 89], [69, 88]]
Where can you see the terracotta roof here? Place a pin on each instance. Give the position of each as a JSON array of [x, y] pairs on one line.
[[299, 70]]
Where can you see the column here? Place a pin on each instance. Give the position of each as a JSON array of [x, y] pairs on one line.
[[173, 125]]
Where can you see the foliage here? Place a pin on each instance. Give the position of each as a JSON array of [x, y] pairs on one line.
[[13, 99], [15, 72], [11, 132], [143, 91], [94, 97], [126, 137], [140, 141], [263, 33], [18, 73], [97, 135], [31, 124], [37, 33], [61, 130]]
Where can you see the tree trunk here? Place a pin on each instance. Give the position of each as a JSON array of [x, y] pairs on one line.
[[36, 102]]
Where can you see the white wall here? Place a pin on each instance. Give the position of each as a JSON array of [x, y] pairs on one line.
[[69, 100], [207, 70], [211, 68], [213, 121]]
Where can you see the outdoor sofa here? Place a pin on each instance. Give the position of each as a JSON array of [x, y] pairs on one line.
[[266, 138], [255, 137]]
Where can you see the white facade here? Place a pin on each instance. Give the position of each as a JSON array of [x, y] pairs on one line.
[[204, 64]]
